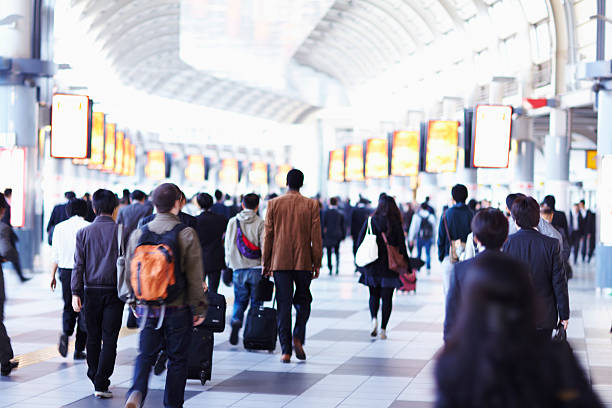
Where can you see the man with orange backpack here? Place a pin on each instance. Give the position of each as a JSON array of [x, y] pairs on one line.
[[164, 272]]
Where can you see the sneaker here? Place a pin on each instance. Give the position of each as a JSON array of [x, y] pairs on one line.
[[234, 334], [134, 400], [63, 345], [79, 355], [5, 369], [160, 364], [374, 331], [383, 334], [103, 394]]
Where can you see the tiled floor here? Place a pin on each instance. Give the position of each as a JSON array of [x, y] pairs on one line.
[[345, 366]]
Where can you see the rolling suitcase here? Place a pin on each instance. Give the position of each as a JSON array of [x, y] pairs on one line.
[[215, 316], [260, 331], [199, 365]]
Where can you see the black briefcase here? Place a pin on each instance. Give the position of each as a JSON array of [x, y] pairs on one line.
[[215, 317], [264, 290]]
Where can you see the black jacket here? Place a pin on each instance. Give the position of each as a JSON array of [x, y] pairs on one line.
[[459, 221], [211, 229], [332, 226], [543, 256], [57, 215], [358, 218], [559, 221], [395, 237], [130, 215], [188, 220]]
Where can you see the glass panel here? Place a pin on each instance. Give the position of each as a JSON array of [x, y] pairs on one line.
[[540, 42], [535, 10]]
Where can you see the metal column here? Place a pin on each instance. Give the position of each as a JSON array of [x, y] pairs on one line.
[[556, 154]]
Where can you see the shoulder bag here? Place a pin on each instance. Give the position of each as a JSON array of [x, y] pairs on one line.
[[457, 247], [123, 289], [368, 250], [397, 261]]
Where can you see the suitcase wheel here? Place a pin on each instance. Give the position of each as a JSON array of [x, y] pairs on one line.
[[203, 377]]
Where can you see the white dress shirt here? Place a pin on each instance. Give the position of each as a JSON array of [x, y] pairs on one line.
[[64, 241]]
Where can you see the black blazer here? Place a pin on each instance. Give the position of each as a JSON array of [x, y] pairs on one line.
[[543, 256], [211, 230], [459, 222], [332, 226], [358, 218], [559, 221], [57, 215]]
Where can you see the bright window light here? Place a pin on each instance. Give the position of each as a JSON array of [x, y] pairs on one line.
[[535, 10]]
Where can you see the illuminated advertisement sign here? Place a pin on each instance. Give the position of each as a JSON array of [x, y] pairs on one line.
[[97, 140], [441, 150], [336, 165], [156, 165], [70, 126], [229, 171], [109, 148], [377, 158], [13, 175], [405, 153], [591, 159], [132, 159], [353, 163], [119, 151], [258, 176], [195, 170], [127, 151], [281, 174], [492, 130]]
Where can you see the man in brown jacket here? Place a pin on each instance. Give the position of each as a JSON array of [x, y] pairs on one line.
[[292, 252]]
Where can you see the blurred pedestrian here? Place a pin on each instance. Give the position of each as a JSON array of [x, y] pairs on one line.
[[211, 230], [333, 232]]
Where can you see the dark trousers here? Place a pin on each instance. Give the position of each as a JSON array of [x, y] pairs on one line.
[[70, 318], [577, 238], [175, 337], [300, 298], [6, 351], [103, 314], [213, 278], [386, 295], [335, 249]]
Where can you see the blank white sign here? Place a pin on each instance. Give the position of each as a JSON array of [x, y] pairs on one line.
[[492, 136], [69, 126]]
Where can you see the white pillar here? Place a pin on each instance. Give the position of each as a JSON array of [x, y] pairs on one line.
[[556, 154]]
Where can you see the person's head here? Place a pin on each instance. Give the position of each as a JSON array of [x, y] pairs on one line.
[[547, 213], [549, 201], [250, 202], [582, 204], [526, 212], [473, 205], [104, 202], [138, 195], [333, 201], [387, 209], [427, 200], [459, 192], [205, 201], [3, 205], [166, 198], [218, 195], [510, 199], [8, 193], [87, 197], [182, 199], [490, 227], [70, 195], [76, 207], [295, 179]]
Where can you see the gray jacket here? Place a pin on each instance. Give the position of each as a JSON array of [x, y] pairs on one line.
[[252, 227]]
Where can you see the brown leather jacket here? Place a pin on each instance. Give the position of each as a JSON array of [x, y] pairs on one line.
[[292, 234]]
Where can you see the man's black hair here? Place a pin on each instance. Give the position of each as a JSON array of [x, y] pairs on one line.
[[8, 192], [459, 193], [205, 201], [76, 207], [490, 226], [250, 201], [218, 195], [138, 195], [165, 196], [333, 201], [104, 202], [550, 201], [69, 195], [511, 197], [526, 212], [295, 179], [3, 203]]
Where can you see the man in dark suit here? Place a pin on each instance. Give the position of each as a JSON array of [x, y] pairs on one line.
[[559, 219], [219, 206], [332, 224], [130, 215], [543, 255], [490, 229], [211, 230], [358, 218], [59, 214]]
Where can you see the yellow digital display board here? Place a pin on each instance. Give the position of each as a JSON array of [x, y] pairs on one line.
[[229, 171], [97, 140], [70, 126], [109, 148], [336, 165], [591, 159], [195, 170], [258, 176], [405, 153], [156, 165], [353, 163], [127, 154], [119, 151], [377, 159], [441, 153], [281, 174]]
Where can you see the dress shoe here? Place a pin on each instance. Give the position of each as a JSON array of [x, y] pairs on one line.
[[286, 358], [63, 345], [134, 400], [233, 339], [5, 369], [80, 355], [299, 350]]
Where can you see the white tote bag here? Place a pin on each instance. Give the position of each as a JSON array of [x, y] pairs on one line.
[[368, 250]]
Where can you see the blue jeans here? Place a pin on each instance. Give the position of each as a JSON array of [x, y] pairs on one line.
[[175, 336], [245, 281], [424, 243]]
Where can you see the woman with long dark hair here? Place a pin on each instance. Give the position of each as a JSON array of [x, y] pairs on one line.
[[382, 281], [494, 357]]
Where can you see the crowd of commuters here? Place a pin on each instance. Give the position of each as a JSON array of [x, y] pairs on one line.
[[504, 277]]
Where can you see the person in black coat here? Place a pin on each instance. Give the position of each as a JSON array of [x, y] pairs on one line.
[[543, 255], [332, 226], [382, 281], [359, 216], [490, 229], [559, 219], [494, 356], [59, 214], [211, 231]]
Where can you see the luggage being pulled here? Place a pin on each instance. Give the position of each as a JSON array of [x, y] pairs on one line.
[[260, 331], [199, 364], [215, 316]]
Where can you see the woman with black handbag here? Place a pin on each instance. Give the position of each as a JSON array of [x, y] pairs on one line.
[[386, 223]]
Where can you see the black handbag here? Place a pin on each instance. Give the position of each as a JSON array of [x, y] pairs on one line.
[[559, 334], [264, 290], [215, 316]]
